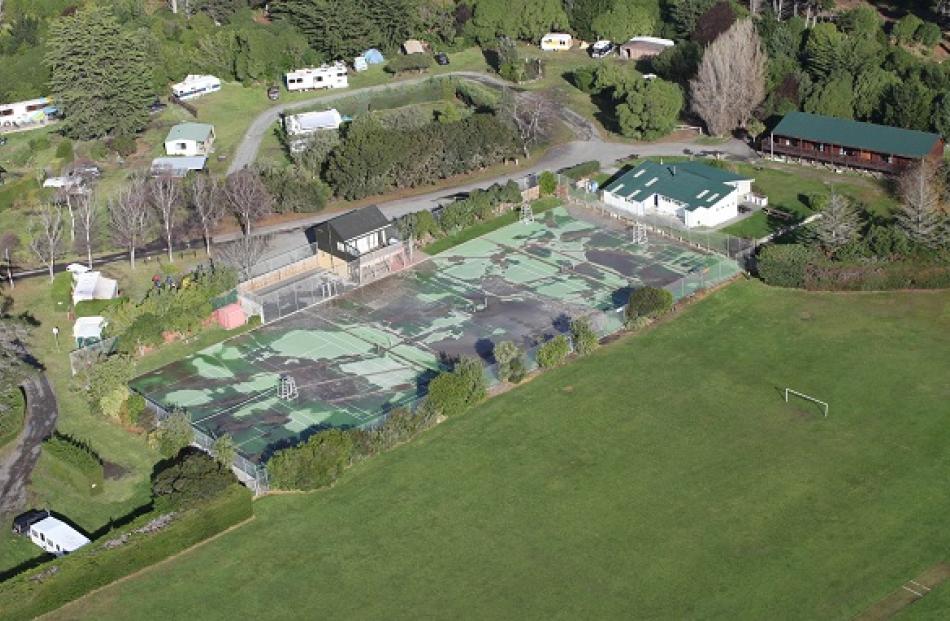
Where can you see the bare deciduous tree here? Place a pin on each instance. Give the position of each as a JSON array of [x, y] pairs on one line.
[[46, 235], [129, 217], [920, 214], [243, 253], [248, 198], [88, 225], [839, 223], [530, 116], [9, 246], [65, 196], [731, 79], [206, 200], [164, 195]]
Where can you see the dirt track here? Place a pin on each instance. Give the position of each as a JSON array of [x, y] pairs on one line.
[[18, 462]]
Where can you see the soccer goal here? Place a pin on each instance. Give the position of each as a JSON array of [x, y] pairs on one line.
[[802, 395]]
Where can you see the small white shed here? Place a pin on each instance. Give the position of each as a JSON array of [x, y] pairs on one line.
[[56, 537], [556, 41], [190, 139]]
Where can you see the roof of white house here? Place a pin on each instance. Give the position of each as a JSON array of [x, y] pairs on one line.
[[414, 46], [338, 65], [654, 40], [60, 533], [310, 121], [178, 166], [88, 327], [199, 132], [695, 185], [62, 182], [77, 268]]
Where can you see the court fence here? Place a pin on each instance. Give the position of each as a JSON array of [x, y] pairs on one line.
[[253, 475]]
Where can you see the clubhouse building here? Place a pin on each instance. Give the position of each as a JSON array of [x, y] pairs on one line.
[[693, 193]]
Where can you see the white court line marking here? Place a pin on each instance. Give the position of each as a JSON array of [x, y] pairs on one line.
[[906, 588]]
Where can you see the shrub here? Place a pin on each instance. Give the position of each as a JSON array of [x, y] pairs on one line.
[[112, 404], [554, 352], [174, 434], [146, 330], [189, 478], [906, 27], [928, 34], [316, 463], [783, 265], [400, 425], [135, 410], [40, 143], [99, 151], [452, 393], [409, 62], [124, 145], [224, 450], [104, 377], [64, 151], [582, 170], [584, 78], [506, 353], [649, 302], [547, 183], [26, 597], [585, 339]]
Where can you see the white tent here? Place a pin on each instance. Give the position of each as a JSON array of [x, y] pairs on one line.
[[93, 286], [88, 329], [56, 536]]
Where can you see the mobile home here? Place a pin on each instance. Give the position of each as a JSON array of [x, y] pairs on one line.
[[56, 537], [195, 86], [324, 76], [555, 41], [25, 113]]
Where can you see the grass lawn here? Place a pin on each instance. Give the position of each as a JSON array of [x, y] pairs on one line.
[[477, 230], [663, 477], [788, 187]]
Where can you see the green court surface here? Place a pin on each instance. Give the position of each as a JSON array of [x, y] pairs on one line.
[[358, 356]]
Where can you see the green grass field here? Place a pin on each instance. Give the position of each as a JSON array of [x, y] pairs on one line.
[[664, 477]]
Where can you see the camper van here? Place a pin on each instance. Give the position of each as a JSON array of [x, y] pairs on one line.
[[554, 41], [26, 113], [195, 86], [324, 76]]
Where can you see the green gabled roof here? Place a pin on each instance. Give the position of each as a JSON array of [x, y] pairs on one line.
[[856, 134], [694, 184], [190, 131]]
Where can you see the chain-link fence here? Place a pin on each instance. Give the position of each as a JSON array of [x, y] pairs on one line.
[[280, 301], [271, 264]]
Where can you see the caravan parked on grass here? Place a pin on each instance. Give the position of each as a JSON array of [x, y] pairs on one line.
[[195, 86], [324, 76], [556, 41]]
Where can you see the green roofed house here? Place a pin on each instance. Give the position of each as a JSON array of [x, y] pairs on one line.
[[693, 193], [848, 143], [190, 139]]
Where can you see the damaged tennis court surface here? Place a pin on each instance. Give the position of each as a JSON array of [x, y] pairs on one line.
[[355, 357]]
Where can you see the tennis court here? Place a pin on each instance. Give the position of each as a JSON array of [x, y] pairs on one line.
[[357, 356]]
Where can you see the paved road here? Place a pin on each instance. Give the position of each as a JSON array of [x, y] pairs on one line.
[[18, 462]]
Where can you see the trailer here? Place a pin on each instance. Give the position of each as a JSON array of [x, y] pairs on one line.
[[25, 114], [195, 86], [311, 78]]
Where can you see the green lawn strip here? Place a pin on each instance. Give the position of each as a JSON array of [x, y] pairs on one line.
[[11, 419], [477, 230], [662, 477], [15, 550]]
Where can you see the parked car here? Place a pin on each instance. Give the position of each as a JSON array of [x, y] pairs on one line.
[[442, 58], [602, 48], [273, 92], [156, 106]]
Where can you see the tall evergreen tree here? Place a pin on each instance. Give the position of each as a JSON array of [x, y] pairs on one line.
[[100, 75]]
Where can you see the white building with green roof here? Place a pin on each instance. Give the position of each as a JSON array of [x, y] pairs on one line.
[[190, 139], [693, 193]]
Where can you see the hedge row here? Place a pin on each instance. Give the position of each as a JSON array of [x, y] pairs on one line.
[[29, 595], [582, 170], [95, 308], [799, 266]]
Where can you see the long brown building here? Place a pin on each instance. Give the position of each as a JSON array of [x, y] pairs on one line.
[[848, 143]]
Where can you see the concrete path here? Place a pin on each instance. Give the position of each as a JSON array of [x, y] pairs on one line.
[[16, 465]]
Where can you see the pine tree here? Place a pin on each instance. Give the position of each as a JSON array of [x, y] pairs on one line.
[[839, 222], [920, 215], [100, 75]]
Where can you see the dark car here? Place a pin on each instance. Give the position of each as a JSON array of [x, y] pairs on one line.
[[601, 49], [273, 93], [156, 106], [442, 58]]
